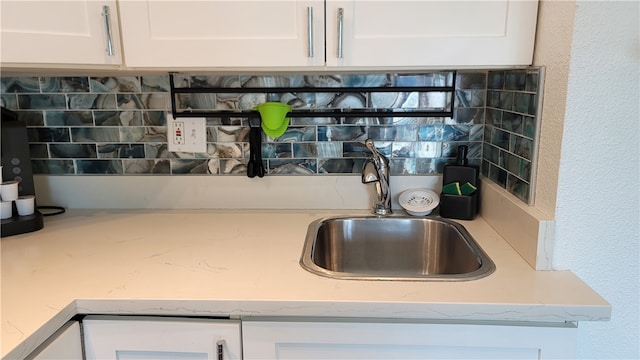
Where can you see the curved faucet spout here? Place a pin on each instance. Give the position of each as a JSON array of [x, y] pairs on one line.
[[376, 171]]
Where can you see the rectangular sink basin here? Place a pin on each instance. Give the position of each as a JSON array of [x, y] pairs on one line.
[[393, 248]]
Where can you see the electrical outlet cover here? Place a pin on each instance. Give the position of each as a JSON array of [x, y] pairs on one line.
[[187, 134]]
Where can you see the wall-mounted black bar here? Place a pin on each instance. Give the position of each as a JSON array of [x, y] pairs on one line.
[[314, 113]]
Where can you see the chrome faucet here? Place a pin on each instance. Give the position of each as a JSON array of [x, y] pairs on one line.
[[376, 171]]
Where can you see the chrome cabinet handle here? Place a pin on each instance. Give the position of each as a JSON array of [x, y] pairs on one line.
[[310, 30], [220, 346], [340, 26], [107, 21]]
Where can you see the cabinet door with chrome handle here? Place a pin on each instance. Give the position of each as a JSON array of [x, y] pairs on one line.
[[59, 32], [141, 338]]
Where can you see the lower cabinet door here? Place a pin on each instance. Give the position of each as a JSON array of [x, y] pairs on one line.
[[338, 340], [129, 338]]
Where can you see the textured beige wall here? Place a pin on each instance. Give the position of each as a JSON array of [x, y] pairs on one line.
[[553, 50]]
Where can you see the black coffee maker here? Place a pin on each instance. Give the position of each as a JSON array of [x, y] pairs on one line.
[[16, 165]]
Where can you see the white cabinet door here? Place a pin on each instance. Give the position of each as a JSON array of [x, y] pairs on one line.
[[127, 338], [222, 33], [337, 340], [65, 344], [59, 32], [431, 33]]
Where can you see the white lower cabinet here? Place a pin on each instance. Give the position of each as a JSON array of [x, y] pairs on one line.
[[379, 340], [65, 344], [158, 338]]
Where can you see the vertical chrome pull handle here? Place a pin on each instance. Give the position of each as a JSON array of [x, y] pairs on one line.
[[340, 26], [107, 21], [220, 347], [310, 31]]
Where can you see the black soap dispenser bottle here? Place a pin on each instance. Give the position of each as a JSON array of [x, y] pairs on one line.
[[458, 204]]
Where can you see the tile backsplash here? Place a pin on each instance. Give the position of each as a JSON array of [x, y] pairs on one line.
[[118, 125]]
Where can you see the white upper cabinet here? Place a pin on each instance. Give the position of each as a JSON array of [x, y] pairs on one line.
[[431, 33], [268, 34], [59, 32], [359, 33], [223, 33]]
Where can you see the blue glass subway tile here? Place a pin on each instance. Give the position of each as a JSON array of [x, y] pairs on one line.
[[471, 80], [491, 153], [523, 102], [229, 167], [355, 149], [515, 80], [292, 166], [92, 101], [498, 175], [328, 149], [157, 151], [129, 84], [64, 84], [301, 121], [529, 127], [21, 84], [139, 166], [512, 122], [264, 81], [48, 135], [122, 151], [532, 82], [129, 101], [73, 151], [31, 118], [41, 101], [341, 133], [403, 149], [141, 134], [443, 132], [522, 147], [495, 80], [294, 134], [69, 118], [470, 98], [493, 117], [493, 99], [38, 151], [87, 134], [118, 118], [53, 167], [9, 101], [154, 118], [276, 150], [348, 101], [469, 115], [484, 168], [425, 166], [204, 81], [400, 166], [155, 83], [427, 149], [500, 139], [506, 100], [382, 133], [99, 166], [476, 133], [518, 187], [366, 80], [338, 166], [189, 166]]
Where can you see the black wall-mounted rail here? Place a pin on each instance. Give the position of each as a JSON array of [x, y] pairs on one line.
[[298, 113]]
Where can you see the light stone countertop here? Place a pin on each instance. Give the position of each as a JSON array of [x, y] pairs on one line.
[[244, 263]]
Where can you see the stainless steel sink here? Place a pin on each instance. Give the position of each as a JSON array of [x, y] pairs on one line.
[[393, 248]]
